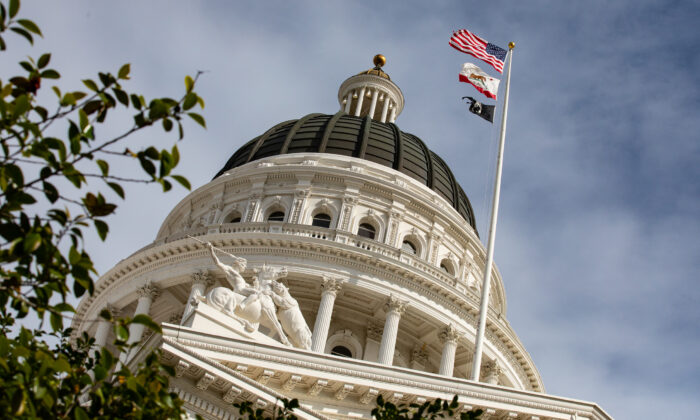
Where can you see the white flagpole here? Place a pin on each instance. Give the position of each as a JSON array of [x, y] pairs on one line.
[[485, 289]]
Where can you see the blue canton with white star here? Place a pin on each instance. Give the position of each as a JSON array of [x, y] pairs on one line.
[[496, 51]]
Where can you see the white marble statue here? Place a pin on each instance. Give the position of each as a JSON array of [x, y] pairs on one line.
[[249, 305], [290, 317]]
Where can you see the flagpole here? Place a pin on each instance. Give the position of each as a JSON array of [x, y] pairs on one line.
[[483, 310]]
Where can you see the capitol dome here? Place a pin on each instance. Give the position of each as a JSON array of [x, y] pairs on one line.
[[328, 261], [362, 138]]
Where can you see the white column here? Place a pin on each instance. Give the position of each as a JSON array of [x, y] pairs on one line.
[[329, 290], [394, 308], [393, 114], [385, 109], [200, 282], [448, 336], [147, 294], [348, 102], [102, 332], [360, 99], [373, 105], [491, 372]]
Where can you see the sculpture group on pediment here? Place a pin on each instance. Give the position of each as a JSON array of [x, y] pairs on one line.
[[265, 302]]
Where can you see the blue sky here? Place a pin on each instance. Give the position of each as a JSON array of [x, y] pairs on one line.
[[598, 234]]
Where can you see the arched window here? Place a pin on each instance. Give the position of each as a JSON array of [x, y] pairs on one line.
[[341, 351], [322, 220], [408, 247], [446, 266], [366, 230], [276, 216], [234, 217]]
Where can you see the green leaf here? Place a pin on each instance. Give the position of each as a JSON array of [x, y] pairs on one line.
[[24, 33], [190, 101], [56, 321], [22, 105], [64, 307], [27, 66], [14, 8], [121, 332], [117, 189], [146, 320], [80, 414], [124, 71], [50, 74], [189, 84], [122, 96], [50, 191], [182, 181], [90, 84], [102, 228], [104, 166], [198, 118], [32, 242], [167, 124], [84, 121], [44, 60], [29, 25]]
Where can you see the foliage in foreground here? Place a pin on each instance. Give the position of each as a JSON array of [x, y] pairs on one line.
[[48, 156], [54, 169]]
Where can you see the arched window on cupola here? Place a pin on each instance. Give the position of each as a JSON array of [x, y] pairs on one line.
[[367, 230], [276, 216], [233, 217], [408, 247], [447, 266], [321, 220]]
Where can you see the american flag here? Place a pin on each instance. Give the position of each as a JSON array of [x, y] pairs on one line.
[[467, 42]]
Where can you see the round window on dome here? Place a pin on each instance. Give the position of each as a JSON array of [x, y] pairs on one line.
[[322, 220], [276, 216], [366, 230], [341, 351], [234, 217]]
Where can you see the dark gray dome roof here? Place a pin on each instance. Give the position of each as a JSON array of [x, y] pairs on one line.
[[363, 138]]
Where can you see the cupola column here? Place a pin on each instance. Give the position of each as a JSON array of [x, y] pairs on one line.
[[200, 282], [360, 100], [448, 337], [373, 105], [348, 102], [385, 109], [329, 290], [147, 294], [394, 309], [492, 370], [392, 118]]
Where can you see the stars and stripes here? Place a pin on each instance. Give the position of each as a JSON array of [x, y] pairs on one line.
[[466, 42]]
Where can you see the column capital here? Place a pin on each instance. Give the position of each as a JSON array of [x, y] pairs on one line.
[[113, 310], [148, 290], [331, 285], [394, 304], [449, 334], [201, 277], [419, 355]]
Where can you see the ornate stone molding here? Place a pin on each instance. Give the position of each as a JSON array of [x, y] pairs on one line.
[[375, 331], [317, 387], [232, 394], [181, 368], [394, 304], [202, 277], [369, 396], [265, 376], [206, 380], [148, 290], [449, 334], [291, 383], [343, 391], [419, 355], [331, 285]]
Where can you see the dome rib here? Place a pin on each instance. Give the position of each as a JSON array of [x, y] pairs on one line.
[[328, 130], [366, 128], [363, 138], [293, 131]]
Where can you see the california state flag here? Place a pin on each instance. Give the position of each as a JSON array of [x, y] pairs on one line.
[[479, 79]]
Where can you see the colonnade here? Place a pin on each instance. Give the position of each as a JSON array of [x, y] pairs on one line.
[[375, 95], [330, 287]]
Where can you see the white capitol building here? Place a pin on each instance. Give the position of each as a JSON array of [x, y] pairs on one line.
[[357, 272]]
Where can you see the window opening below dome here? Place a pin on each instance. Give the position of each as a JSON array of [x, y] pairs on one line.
[[366, 230], [277, 216], [322, 220], [407, 246], [341, 351]]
